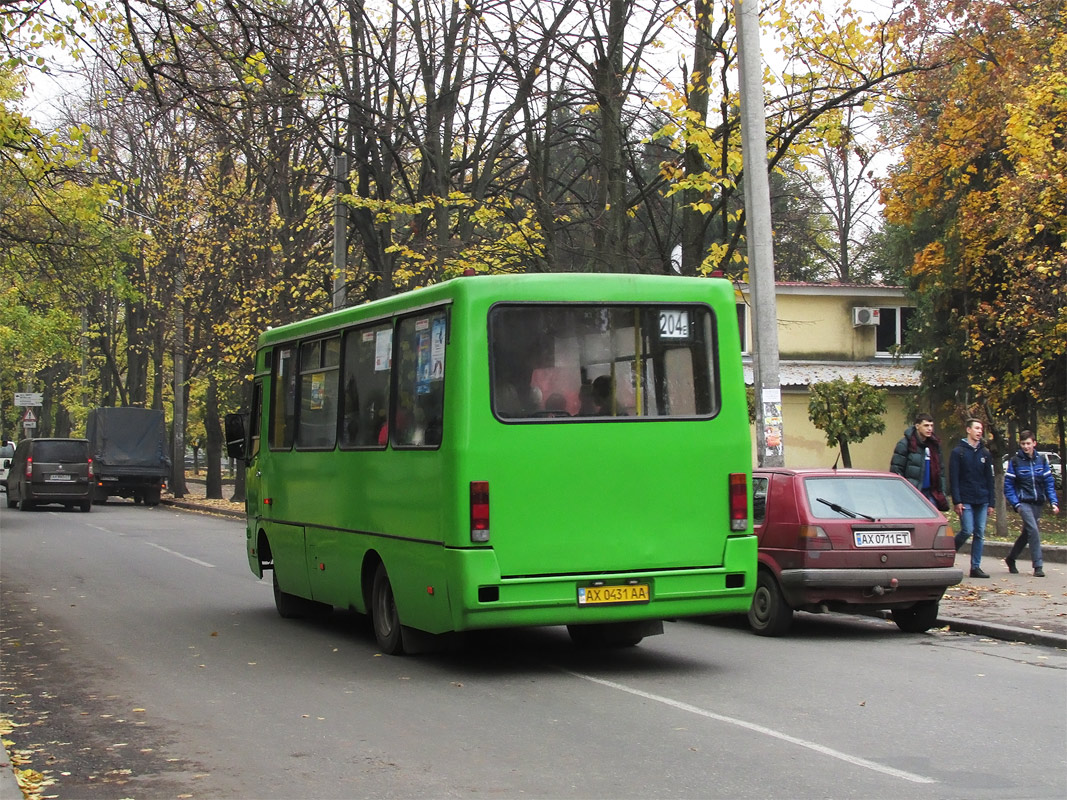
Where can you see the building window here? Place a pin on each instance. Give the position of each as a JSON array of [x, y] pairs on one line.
[[893, 325]]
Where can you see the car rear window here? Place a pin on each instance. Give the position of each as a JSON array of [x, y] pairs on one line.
[[7, 451], [881, 498], [61, 451]]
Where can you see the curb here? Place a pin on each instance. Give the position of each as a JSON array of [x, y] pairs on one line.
[[10, 787], [200, 509], [994, 630]]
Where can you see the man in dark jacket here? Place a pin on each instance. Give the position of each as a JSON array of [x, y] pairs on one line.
[[1028, 482], [917, 457], [971, 474]]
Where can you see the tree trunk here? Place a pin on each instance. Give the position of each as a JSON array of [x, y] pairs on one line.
[[846, 457], [214, 439]]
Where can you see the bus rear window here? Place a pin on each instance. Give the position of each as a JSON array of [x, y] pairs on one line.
[[557, 362]]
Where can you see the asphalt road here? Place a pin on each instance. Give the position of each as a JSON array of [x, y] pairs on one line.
[[142, 659]]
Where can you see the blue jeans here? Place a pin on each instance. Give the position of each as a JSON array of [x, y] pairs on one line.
[[1031, 535], [972, 522]]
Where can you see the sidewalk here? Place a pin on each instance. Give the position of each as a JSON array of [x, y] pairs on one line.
[[1018, 608]]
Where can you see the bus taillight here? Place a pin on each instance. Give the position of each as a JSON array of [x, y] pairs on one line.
[[479, 511], [738, 502]]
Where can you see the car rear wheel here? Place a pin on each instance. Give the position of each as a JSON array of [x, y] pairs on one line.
[[919, 618], [11, 503], [384, 615], [769, 614], [26, 505]]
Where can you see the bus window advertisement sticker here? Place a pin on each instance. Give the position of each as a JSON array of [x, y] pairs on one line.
[[383, 347], [422, 363], [437, 350], [318, 391]]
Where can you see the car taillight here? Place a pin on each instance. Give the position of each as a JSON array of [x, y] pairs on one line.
[[945, 539], [29, 468], [479, 511], [812, 537], [90, 469], [738, 502]]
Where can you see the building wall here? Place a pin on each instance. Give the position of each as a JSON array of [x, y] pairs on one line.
[[813, 326], [805, 445]]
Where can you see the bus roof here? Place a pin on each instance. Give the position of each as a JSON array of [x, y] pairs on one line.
[[544, 287]]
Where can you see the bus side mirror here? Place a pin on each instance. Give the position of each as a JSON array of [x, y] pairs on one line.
[[236, 427]]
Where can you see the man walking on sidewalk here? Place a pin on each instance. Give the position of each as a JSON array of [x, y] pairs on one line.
[[1027, 484], [971, 474]]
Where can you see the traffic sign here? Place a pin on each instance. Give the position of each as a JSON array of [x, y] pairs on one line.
[[28, 398], [29, 419]]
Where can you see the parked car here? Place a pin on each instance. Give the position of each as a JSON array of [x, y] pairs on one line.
[[45, 471], [7, 452], [847, 540]]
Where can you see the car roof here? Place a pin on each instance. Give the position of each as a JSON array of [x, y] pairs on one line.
[[823, 472]]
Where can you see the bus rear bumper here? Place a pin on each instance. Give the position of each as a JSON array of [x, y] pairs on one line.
[[490, 601]]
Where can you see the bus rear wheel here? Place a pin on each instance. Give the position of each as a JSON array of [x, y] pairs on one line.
[[289, 605], [384, 615]]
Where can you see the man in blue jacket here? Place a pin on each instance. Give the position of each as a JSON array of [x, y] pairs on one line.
[[1027, 484], [971, 474]]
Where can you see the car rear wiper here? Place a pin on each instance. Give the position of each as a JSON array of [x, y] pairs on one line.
[[843, 510]]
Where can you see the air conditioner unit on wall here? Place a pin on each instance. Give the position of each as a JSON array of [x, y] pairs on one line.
[[862, 315]]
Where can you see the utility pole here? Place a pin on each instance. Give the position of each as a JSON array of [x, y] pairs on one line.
[[770, 444], [340, 229]]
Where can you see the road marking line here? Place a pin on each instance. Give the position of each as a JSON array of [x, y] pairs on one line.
[[818, 748], [180, 555]]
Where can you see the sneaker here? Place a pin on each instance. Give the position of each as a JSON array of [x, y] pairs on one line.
[[1011, 565], [978, 572], [1039, 573]]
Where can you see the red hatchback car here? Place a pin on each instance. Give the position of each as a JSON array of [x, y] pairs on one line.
[[847, 540]]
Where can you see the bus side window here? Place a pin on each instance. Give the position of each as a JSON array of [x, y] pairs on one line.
[[283, 399], [420, 380], [319, 366], [366, 373]]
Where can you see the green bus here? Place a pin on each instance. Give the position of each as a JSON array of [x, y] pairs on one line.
[[509, 450]]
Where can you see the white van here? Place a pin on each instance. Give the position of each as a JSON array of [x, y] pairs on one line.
[[7, 452]]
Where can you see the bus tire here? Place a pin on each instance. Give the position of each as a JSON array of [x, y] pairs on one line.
[[289, 605], [612, 634], [384, 615], [769, 614], [919, 618]]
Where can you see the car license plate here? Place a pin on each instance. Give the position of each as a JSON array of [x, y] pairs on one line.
[[59, 478], [882, 538], [617, 593]]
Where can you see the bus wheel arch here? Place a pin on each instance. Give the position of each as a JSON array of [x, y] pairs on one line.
[[263, 551]]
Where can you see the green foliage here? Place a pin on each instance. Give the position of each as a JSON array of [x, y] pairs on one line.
[[847, 411]]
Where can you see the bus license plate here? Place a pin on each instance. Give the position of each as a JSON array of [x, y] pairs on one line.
[[620, 593]]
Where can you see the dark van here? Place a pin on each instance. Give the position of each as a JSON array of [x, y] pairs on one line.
[[47, 471]]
